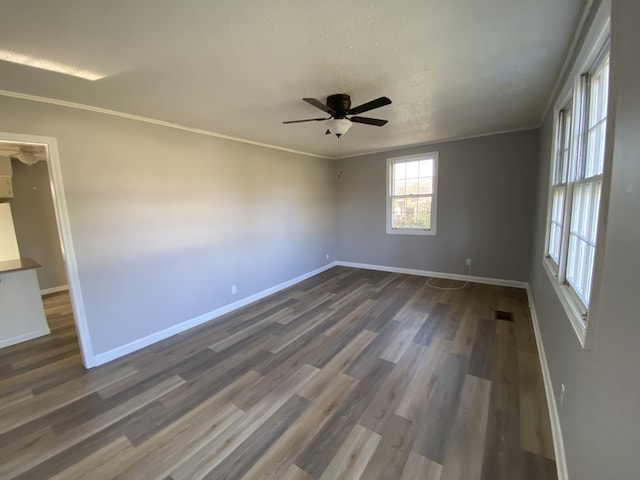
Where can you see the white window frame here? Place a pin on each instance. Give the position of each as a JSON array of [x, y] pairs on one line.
[[434, 195], [590, 56]]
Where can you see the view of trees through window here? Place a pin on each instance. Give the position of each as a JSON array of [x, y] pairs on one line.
[[412, 191]]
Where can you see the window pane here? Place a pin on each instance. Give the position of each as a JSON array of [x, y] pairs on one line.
[[582, 237], [426, 185], [580, 267], [561, 162], [399, 171], [597, 119], [557, 205], [595, 150], [426, 168], [412, 186], [413, 169], [423, 214], [566, 145], [586, 205], [555, 237], [399, 187], [555, 228], [411, 212], [398, 214]]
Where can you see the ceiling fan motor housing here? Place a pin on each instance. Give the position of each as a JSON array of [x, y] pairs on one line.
[[339, 107], [340, 103]]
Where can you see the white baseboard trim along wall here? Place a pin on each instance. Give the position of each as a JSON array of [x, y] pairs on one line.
[[556, 430], [426, 273], [118, 352], [23, 338], [123, 350], [59, 288]]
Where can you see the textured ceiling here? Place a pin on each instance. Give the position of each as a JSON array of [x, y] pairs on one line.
[[452, 68]]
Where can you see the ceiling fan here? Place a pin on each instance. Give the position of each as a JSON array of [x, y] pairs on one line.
[[27, 154], [339, 107]]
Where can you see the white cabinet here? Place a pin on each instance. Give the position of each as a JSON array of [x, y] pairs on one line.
[[21, 315]]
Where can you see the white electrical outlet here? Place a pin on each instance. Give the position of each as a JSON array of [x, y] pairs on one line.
[[468, 262], [327, 256], [562, 391], [234, 289]]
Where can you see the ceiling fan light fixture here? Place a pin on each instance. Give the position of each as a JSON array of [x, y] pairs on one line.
[[27, 158], [339, 126]]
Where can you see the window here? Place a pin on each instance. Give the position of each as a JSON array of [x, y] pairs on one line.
[[559, 184], [412, 183], [575, 189]]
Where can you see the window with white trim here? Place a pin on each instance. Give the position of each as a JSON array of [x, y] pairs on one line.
[[412, 183], [575, 189]]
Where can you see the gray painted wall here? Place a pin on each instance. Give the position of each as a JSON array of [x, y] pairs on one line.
[[165, 221], [600, 415], [486, 200], [35, 222]]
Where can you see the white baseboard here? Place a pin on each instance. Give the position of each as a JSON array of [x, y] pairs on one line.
[[556, 430], [123, 350], [23, 338], [59, 288], [426, 273], [118, 352]]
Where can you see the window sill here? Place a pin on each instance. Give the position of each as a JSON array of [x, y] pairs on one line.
[[568, 303], [410, 231]]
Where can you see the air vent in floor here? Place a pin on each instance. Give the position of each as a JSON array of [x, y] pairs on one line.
[[502, 315]]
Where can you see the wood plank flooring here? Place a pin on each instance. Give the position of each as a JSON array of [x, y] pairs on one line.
[[352, 374]]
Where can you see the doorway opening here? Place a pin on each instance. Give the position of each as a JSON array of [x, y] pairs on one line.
[[42, 231]]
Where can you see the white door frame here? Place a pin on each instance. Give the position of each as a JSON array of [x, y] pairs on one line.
[[64, 231]]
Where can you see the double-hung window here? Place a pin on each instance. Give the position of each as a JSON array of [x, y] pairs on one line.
[[412, 184], [575, 189]]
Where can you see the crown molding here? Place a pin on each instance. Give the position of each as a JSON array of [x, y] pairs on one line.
[[438, 141], [139, 118]]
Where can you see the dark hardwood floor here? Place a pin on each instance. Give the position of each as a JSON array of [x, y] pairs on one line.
[[352, 374]]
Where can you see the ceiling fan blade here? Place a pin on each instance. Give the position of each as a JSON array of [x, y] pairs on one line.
[[369, 121], [320, 105], [307, 120], [365, 107]]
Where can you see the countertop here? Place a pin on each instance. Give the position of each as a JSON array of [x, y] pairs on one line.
[[18, 264]]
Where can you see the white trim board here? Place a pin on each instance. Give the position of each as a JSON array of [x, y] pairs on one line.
[[131, 347], [556, 429], [426, 273], [59, 288], [23, 338]]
